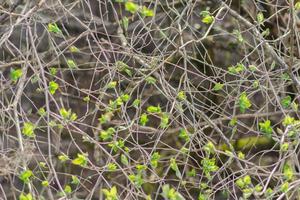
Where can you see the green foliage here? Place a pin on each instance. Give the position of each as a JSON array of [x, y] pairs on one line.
[[144, 119], [80, 160], [63, 157], [244, 102], [266, 128], [68, 189], [286, 101], [111, 194], [45, 183], [288, 172], [154, 109], [260, 18], [146, 12], [112, 84], [150, 80], [53, 86], [71, 64], [154, 159], [15, 74], [74, 49], [288, 120], [26, 175], [124, 159], [175, 168], [209, 166], [207, 18], [164, 123], [131, 7], [26, 197], [28, 129], [75, 180], [67, 115], [236, 69], [107, 134], [137, 179], [181, 95], [53, 28], [218, 86], [112, 167], [170, 193], [209, 148], [183, 134]]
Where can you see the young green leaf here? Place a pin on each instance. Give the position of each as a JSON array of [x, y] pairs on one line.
[[80, 160], [53, 28], [26, 175], [131, 7], [286, 101], [15, 74], [244, 102], [144, 119], [28, 129], [53, 86], [146, 12], [111, 194], [218, 86], [154, 159], [266, 127]]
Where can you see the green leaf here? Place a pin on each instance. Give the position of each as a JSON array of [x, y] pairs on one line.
[[183, 134], [169, 193], [218, 86], [111, 167], [154, 159], [208, 19], [124, 160], [63, 158], [145, 12], [71, 64], [111, 194], [266, 127], [288, 172], [28, 129], [53, 28], [15, 74], [68, 189], [131, 7], [45, 183], [154, 109], [136, 103], [74, 49], [53, 86], [53, 71], [236, 69], [144, 119], [125, 23], [260, 17], [75, 180], [244, 102], [286, 102], [26, 175], [112, 84], [288, 120], [164, 121], [107, 134], [181, 95], [42, 112], [209, 165], [80, 160], [26, 197], [175, 168], [150, 80]]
